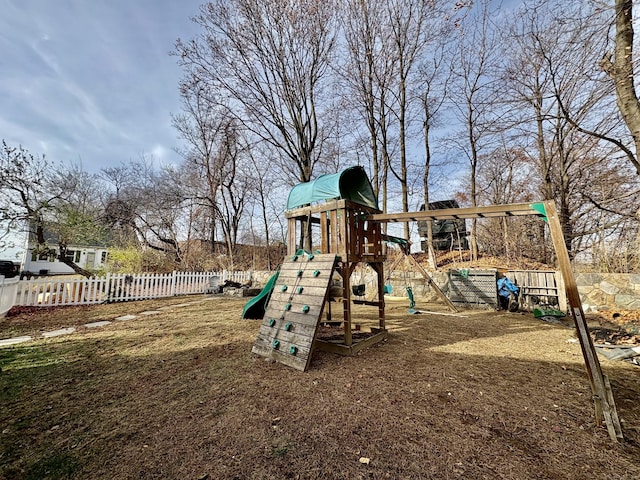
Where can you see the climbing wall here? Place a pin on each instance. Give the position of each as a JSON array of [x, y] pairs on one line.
[[290, 322]]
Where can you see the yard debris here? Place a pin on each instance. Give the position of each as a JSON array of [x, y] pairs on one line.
[[364, 460], [614, 336], [618, 353]]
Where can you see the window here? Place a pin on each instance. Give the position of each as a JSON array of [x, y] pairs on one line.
[[103, 257], [73, 255]]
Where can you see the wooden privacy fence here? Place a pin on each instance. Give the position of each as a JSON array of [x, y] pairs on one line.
[[540, 287], [118, 288]]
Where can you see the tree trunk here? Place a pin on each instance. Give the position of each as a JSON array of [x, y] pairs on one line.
[[621, 70], [403, 153], [63, 258], [425, 184]]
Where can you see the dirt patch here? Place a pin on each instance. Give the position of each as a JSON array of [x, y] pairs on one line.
[[179, 395]]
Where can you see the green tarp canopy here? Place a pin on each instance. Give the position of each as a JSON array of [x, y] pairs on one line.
[[350, 184]]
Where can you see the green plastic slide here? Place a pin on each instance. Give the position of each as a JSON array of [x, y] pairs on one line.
[[255, 308]]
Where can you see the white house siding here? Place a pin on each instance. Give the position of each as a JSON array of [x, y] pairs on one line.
[[88, 257], [13, 242]]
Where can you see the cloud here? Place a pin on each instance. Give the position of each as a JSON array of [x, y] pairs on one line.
[[91, 80]]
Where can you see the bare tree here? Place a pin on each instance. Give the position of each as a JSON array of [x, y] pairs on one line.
[[435, 75], [407, 22], [621, 70], [39, 193], [271, 58], [76, 219], [385, 42], [559, 100], [508, 175], [236, 182], [475, 61], [366, 72], [264, 185], [151, 207], [202, 125], [119, 214]]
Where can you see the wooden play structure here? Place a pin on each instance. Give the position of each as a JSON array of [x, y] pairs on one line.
[[350, 233], [346, 240]]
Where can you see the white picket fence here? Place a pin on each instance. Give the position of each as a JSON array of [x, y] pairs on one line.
[[8, 289], [119, 288]]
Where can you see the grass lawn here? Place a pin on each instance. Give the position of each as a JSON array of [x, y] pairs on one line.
[[179, 395]]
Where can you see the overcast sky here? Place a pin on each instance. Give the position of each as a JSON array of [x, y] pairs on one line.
[[92, 81]]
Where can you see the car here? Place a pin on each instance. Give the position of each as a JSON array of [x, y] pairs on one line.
[[8, 269]]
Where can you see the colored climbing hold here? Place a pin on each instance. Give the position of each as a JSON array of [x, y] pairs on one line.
[[288, 326], [293, 349], [316, 273], [272, 322], [299, 273], [287, 307], [276, 343], [300, 289], [294, 258], [310, 257], [284, 288], [305, 309]]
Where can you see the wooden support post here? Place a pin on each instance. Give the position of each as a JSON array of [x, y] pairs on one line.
[[379, 269], [324, 233], [291, 236], [433, 284], [333, 232], [395, 264], [343, 238], [594, 371], [345, 272]]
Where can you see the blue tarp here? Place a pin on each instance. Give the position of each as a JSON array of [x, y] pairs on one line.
[[350, 184], [506, 287]]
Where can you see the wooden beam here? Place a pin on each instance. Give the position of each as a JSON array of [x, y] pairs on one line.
[[379, 269], [327, 206], [304, 212], [514, 209], [291, 237], [432, 284], [324, 232], [594, 371], [355, 347]]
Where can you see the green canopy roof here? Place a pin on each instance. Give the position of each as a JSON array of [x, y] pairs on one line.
[[350, 184]]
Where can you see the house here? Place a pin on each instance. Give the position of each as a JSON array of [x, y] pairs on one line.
[[90, 255], [13, 242]]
